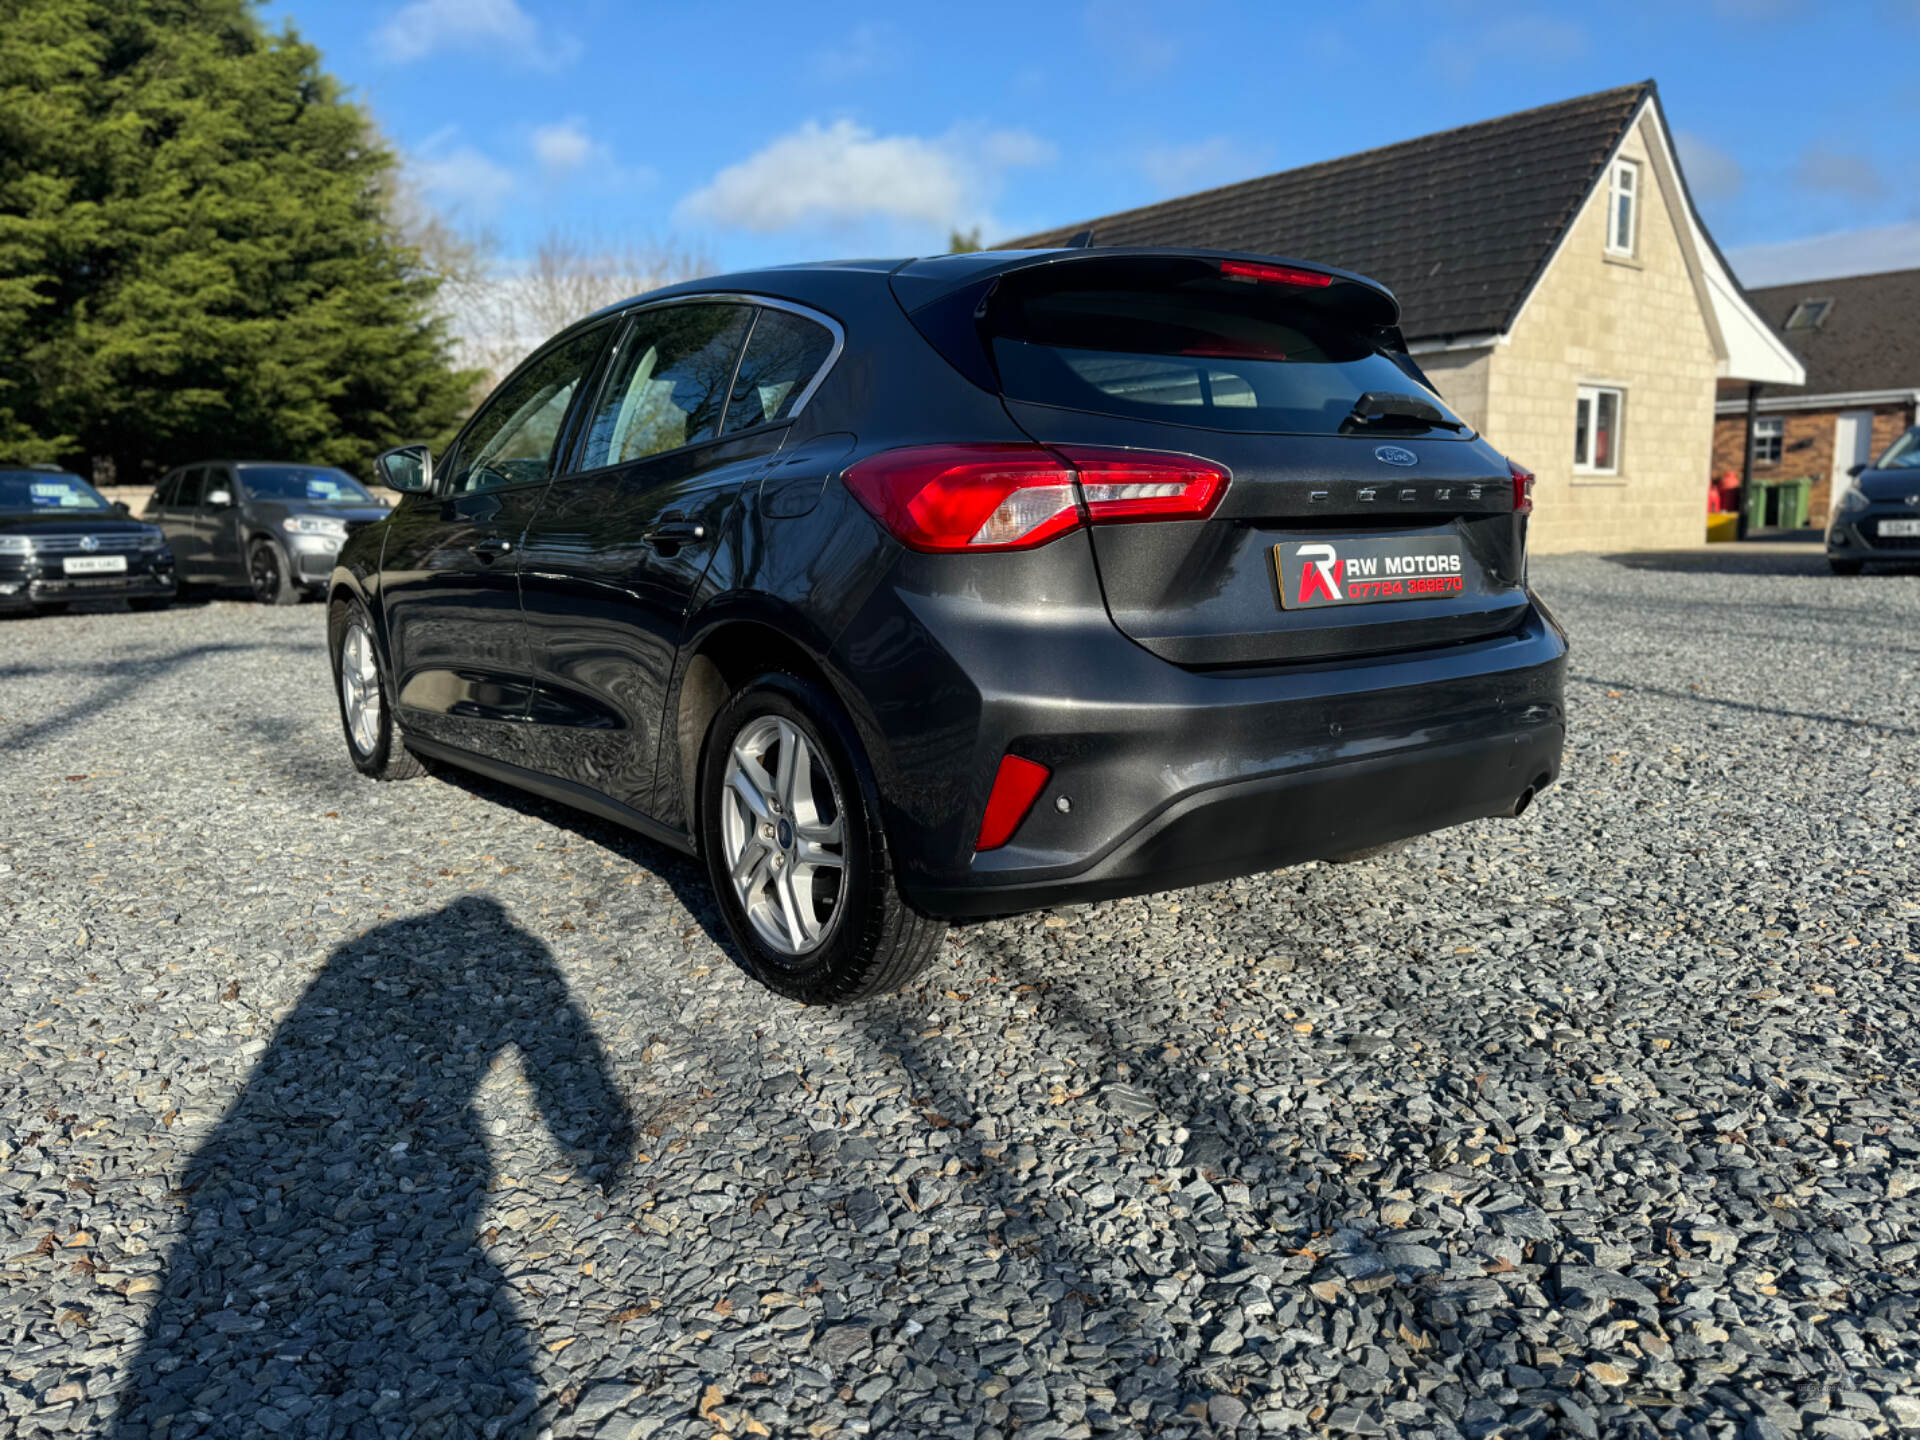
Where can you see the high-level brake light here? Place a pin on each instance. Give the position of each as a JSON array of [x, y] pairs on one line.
[[946, 498], [1274, 274]]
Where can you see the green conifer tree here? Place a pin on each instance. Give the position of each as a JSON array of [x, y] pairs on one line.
[[197, 251]]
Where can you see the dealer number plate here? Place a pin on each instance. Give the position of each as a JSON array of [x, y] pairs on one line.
[[1314, 573], [95, 564], [1894, 529]]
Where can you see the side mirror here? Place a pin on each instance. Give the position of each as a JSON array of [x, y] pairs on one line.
[[219, 499], [406, 468], [121, 509], [1853, 471]]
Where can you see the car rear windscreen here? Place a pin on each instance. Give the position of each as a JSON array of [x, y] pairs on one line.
[[1187, 348]]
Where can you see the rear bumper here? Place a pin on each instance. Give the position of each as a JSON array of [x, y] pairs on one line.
[[1173, 777], [1274, 821]]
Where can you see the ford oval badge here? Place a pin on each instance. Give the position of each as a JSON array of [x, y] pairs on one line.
[[1394, 455]]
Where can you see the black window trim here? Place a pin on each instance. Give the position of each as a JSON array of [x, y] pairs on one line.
[[631, 315]]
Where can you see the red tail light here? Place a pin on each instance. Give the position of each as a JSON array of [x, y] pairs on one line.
[[1274, 274], [1016, 785], [1522, 488], [944, 498]]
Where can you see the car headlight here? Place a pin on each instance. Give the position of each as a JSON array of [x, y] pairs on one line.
[[15, 545], [1852, 502], [315, 525], [153, 539]]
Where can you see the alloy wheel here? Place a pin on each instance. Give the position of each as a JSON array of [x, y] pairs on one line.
[[264, 570], [360, 687], [782, 835]]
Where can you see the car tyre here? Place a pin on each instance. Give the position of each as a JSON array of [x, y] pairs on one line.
[[1845, 567], [269, 576], [365, 698], [788, 804]]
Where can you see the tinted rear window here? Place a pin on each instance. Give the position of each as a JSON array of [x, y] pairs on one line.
[[1202, 350]]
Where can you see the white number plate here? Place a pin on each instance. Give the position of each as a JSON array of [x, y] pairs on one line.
[[96, 564], [1894, 528]]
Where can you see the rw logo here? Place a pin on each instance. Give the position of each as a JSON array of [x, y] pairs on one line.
[[1319, 574]]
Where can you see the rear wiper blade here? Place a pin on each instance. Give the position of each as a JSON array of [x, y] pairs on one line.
[[1380, 409]]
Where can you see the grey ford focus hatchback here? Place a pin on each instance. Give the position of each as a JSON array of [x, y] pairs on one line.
[[906, 591]]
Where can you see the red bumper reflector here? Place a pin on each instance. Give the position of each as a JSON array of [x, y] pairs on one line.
[[1016, 786]]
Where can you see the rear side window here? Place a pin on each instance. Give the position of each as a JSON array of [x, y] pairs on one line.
[[187, 497], [1186, 346], [164, 491], [783, 355], [669, 383]]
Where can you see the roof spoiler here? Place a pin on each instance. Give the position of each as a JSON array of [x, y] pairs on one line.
[[945, 295]]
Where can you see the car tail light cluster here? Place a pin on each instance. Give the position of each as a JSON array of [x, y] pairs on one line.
[[944, 498], [1522, 488]]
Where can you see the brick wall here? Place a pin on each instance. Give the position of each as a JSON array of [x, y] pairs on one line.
[[1806, 447], [1637, 325]]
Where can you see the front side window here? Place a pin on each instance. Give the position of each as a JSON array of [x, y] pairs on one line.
[[186, 495], [668, 386], [47, 492], [512, 440], [1598, 412], [1769, 432], [783, 355], [1623, 204], [315, 483]]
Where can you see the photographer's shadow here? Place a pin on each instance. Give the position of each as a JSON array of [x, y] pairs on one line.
[[331, 1279]]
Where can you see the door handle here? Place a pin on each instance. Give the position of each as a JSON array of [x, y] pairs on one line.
[[491, 549], [678, 532]]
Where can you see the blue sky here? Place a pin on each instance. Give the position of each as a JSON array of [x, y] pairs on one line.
[[759, 132]]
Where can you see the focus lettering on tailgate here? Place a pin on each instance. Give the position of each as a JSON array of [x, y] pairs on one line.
[[1314, 573]]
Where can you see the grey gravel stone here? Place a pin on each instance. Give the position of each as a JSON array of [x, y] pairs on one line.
[[335, 1108]]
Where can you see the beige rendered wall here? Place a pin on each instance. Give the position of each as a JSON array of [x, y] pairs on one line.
[[1461, 378], [1638, 324]]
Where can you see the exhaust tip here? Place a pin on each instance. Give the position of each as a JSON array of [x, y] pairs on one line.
[[1520, 805]]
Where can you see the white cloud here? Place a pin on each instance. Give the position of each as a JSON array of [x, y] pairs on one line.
[[1823, 169], [875, 48], [1821, 257], [1181, 169], [843, 173], [1712, 174], [459, 177], [563, 147], [420, 27]]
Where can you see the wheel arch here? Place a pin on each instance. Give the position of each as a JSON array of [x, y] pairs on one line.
[[723, 653]]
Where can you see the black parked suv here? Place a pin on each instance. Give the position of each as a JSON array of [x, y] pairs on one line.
[[61, 540], [272, 527], [910, 591], [1877, 517]]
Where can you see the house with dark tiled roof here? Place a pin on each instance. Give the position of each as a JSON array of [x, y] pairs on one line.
[[1859, 339], [1556, 282]]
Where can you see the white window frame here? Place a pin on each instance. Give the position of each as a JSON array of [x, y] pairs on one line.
[[1769, 427], [1625, 195], [1591, 395]]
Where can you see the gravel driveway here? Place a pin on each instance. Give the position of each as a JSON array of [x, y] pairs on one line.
[[335, 1108]]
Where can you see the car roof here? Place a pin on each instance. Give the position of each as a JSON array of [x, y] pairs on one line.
[[928, 277]]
